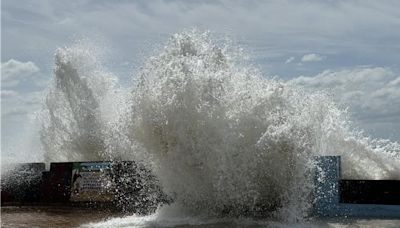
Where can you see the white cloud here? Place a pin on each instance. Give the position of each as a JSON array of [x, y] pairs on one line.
[[16, 112], [13, 72], [373, 94], [289, 60], [8, 93], [291, 27], [272, 30], [19, 92], [312, 58]]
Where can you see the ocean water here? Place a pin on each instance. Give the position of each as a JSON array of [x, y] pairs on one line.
[[227, 143]]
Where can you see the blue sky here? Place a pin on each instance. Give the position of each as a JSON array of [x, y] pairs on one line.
[[349, 48]]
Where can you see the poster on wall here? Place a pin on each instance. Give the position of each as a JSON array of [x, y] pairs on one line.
[[91, 181]]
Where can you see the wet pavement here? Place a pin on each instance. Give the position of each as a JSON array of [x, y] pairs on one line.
[[51, 216], [60, 217]]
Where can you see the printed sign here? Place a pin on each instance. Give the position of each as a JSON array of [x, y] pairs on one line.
[[91, 181]]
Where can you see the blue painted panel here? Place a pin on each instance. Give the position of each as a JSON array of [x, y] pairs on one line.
[[326, 193], [326, 179]]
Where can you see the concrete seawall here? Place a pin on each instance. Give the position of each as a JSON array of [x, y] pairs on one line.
[[112, 185], [352, 198], [128, 186]]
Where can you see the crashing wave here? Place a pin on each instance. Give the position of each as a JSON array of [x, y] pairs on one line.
[[221, 138]]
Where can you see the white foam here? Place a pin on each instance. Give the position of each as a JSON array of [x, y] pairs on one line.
[[222, 139]]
